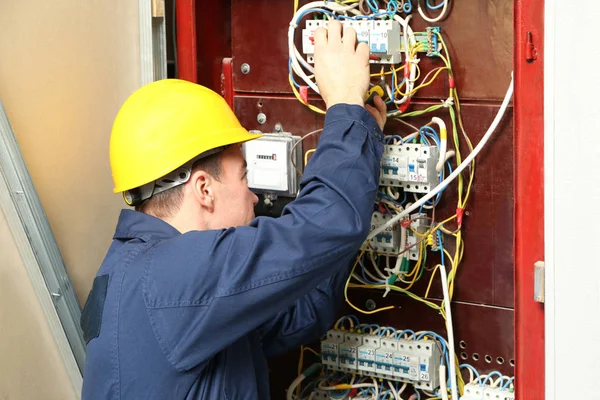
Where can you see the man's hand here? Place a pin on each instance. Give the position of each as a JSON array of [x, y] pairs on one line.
[[379, 112], [341, 67]]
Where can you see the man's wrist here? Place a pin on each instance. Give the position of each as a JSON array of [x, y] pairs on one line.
[[359, 101]]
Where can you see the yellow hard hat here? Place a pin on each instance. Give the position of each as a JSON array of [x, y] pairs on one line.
[[164, 125]]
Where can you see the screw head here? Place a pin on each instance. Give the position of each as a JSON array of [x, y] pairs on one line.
[[370, 304], [261, 118], [245, 68], [278, 127]]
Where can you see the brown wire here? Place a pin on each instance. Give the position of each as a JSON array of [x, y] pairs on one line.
[[296, 144]]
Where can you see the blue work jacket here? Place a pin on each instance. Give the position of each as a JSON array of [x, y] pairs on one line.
[[195, 315]]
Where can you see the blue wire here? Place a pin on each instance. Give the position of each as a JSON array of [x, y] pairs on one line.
[[366, 279], [371, 326], [292, 75], [341, 395], [394, 5], [418, 394], [403, 200], [373, 6], [508, 382], [400, 334], [407, 8], [472, 369], [389, 328], [312, 10], [354, 317], [494, 373], [432, 7]]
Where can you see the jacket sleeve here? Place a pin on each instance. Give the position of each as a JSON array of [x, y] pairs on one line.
[[205, 290], [307, 319]]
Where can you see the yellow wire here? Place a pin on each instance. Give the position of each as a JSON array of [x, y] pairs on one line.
[[313, 108], [348, 284], [308, 152]]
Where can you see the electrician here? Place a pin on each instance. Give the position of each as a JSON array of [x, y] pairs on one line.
[[195, 293]]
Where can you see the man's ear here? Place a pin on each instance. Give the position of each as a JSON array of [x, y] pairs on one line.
[[202, 186]]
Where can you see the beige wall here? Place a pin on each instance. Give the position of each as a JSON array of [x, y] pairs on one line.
[[65, 68], [31, 366]]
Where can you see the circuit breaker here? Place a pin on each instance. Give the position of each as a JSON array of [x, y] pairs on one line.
[[419, 224], [411, 166], [412, 361], [349, 352], [330, 348], [383, 38], [270, 168], [388, 241]]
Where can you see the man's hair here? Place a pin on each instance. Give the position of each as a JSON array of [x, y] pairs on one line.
[[166, 204]]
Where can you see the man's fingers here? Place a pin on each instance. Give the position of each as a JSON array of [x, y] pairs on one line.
[[334, 32], [349, 39], [320, 37], [380, 105], [362, 50]]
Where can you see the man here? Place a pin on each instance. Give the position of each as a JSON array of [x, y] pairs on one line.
[[194, 293]]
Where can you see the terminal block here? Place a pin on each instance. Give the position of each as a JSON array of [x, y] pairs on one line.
[[388, 241], [382, 37], [410, 166], [410, 361], [475, 391], [432, 45], [426, 42]]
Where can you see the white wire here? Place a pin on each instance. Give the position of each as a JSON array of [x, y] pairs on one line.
[[466, 162], [394, 392], [293, 386], [443, 386], [294, 54], [436, 19], [443, 142], [450, 330]]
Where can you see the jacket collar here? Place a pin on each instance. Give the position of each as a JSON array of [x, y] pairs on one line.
[[136, 225]]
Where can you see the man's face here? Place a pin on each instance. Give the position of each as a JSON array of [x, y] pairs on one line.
[[234, 202]]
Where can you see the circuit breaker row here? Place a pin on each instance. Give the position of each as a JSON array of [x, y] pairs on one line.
[[410, 166], [412, 361], [475, 391], [383, 38]]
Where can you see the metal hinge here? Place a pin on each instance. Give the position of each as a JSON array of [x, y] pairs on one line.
[[539, 289]]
